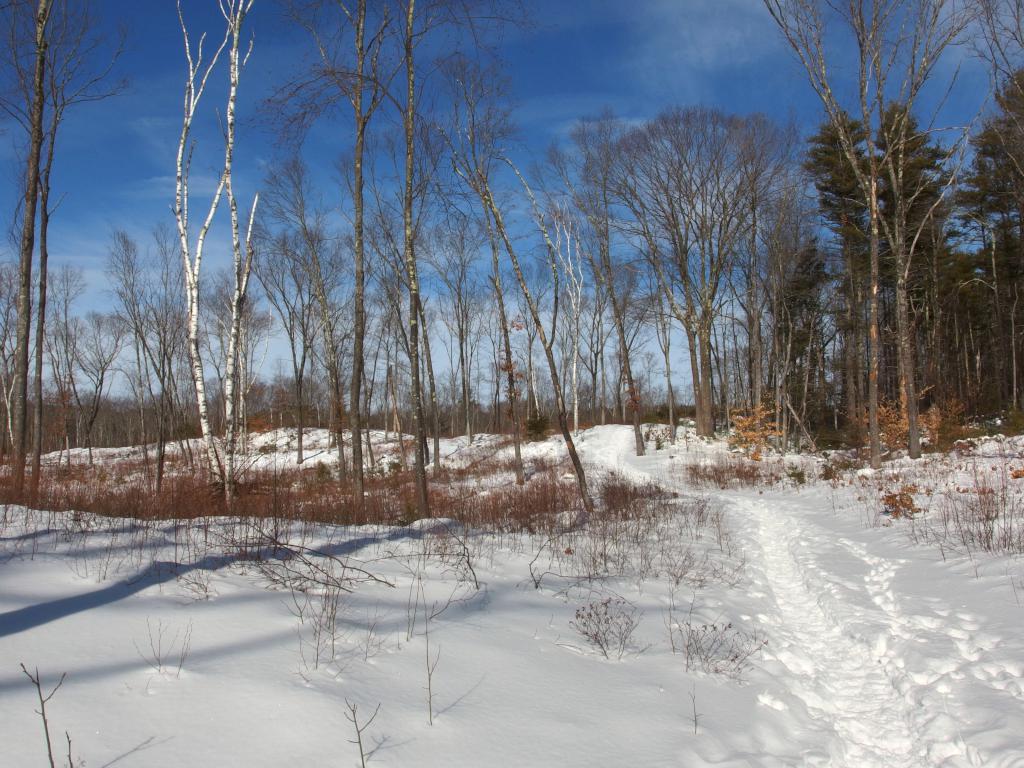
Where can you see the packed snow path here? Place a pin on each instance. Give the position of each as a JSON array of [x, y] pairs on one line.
[[889, 656], [840, 679]]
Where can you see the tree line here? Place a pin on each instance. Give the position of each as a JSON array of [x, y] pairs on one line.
[[830, 280]]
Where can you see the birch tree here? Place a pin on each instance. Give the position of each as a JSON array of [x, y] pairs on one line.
[[198, 74], [570, 258]]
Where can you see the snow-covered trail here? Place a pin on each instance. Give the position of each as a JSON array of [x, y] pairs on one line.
[[902, 661], [838, 677], [889, 656]]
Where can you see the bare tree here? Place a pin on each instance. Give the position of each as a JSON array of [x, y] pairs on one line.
[[681, 179], [150, 304], [284, 273], [73, 77], [454, 262], [349, 39], [898, 44], [547, 337], [62, 343], [591, 186], [479, 126], [27, 46], [8, 346], [98, 343]]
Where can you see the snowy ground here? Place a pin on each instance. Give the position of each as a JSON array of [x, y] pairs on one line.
[[886, 647]]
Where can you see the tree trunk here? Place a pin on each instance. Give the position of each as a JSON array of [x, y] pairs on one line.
[[875, 352], [563, 421], [906, 354], [27, 247], [435, 422], [422, 501]]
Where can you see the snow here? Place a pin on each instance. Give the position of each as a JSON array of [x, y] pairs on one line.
[[884, 650]]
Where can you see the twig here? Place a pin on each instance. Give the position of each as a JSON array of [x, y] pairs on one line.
[[353, 718], [42, 709]]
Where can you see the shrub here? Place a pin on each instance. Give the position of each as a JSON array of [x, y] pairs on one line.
[[892, 425], [752, 431], [660, 435], [833, 470], [797, 475], [619, 494], [900, 503], [716, 648], [1013, 424], [984, 516], [607, 625], [732, 470], [943, 423], [537, 427]]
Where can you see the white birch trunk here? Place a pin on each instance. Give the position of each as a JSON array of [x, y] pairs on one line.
[[198, 75]]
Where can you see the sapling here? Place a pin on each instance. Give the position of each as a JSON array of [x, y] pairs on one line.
[[353, 717], [693, 705], [180, 644], [431, 663], [36, 680]]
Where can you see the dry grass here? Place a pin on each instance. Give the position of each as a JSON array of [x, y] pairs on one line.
[[732, 471], [988, 515], [314, 495]]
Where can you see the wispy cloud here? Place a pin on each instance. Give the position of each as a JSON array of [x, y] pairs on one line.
[[685, 46]]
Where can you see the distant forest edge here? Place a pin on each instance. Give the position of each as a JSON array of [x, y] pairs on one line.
[[854, 283]]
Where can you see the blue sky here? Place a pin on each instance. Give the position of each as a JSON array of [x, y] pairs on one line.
[[116, 158]]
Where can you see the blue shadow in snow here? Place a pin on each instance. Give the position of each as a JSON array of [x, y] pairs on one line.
[[160, 572]]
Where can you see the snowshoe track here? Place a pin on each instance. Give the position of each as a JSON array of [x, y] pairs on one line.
[[844, 683]]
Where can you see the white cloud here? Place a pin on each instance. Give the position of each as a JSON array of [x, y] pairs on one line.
[[680, 43]]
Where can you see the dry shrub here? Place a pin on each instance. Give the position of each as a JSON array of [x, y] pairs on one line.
[[727, 471], [305, 494], [984, 516], [715, 648], [900, 503], [752, 431], [619, 494], [607, 625], [312, 494], [836, 468], [943, 423], [122, 495], [892, 425], [532, 507]]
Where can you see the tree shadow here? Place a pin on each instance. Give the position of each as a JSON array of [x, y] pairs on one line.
[[140, 747], [160, 572]]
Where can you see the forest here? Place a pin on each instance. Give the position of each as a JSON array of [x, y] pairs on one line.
[[853, 283]]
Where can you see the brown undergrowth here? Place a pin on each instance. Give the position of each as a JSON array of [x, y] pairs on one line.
[[481, 497], [732, 471]]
